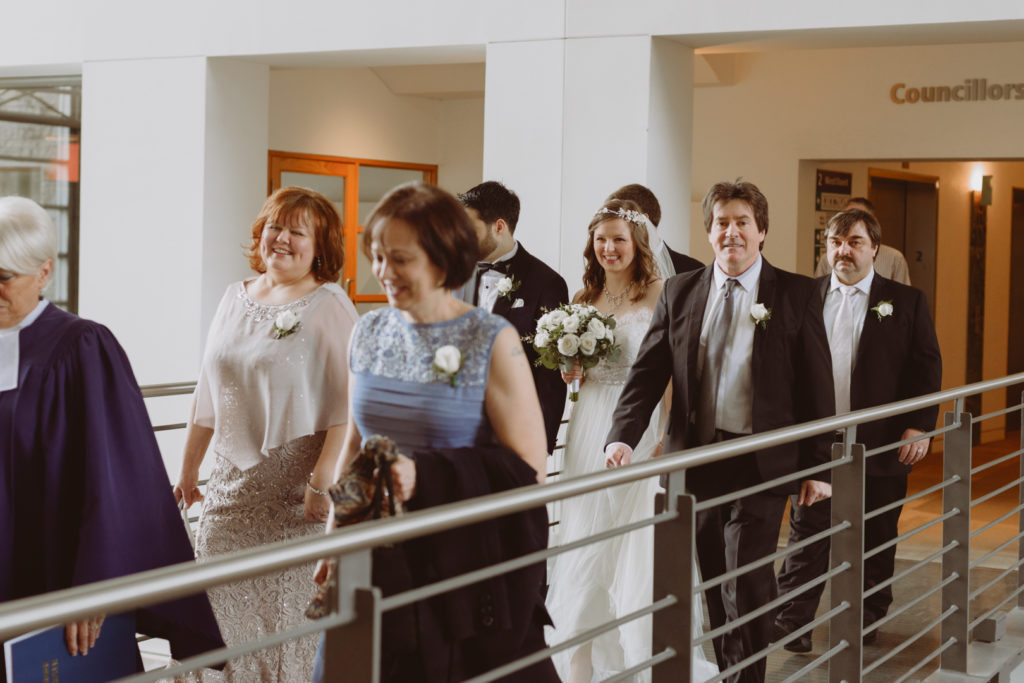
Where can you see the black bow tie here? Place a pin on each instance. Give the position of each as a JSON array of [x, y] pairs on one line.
[[500, 267]]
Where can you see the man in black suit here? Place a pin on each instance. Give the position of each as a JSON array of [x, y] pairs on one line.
[[884, 349], [651, 207], [744, 345], [514, 284]]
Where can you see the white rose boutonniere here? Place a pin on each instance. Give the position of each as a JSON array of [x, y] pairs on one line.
[[883, 310], [507, 285], [285, 323], [760, 314], [447, 362]]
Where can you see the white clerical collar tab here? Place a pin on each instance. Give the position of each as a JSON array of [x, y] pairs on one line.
[[9, 357]]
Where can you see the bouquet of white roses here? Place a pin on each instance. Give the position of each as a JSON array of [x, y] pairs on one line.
[[574, 333]]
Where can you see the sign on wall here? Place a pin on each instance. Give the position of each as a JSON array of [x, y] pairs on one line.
[[831, 192]]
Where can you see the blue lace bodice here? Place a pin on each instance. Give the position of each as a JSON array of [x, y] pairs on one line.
[[398, 393]]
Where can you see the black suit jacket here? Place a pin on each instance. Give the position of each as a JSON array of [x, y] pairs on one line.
[[897, 358], [791, 374], [541, 289], [681, 262]]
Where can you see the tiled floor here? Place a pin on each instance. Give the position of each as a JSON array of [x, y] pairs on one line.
[[783, 664]]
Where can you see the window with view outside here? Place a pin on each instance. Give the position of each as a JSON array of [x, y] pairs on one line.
[[40, 137]]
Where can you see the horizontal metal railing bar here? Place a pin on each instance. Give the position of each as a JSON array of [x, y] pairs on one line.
[[997, 520], [627, 675], [902, 442], [187, 578], [993, 610], [997, 413], [913, 532], [827, 655], [770, 559], [992, 494], [999, 577], [169, 427], [170, 389], [584, 637], [808, 627], [910, 499], [423, 592], [995, 551], [950, 642], [875, 625], [997, 461], [911, 569], [223, 654], [764, 486], [911, 640], [766, 608]]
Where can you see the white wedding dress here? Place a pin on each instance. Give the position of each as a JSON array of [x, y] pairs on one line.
[[603, 581]]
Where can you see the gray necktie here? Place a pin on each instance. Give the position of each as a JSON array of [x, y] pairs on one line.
[[714, 354], [841, 344]]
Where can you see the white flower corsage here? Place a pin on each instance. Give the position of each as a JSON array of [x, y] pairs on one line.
[[285, 323], [507, 285], [448, 362], [760, 314], [883, 309]]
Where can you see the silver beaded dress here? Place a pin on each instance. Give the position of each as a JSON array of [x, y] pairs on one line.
[[269, 401]]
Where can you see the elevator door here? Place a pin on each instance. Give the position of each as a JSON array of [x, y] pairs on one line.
[[908, 210], [1015, 346]]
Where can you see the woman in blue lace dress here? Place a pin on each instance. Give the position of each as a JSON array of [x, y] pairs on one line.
[[447, 382]]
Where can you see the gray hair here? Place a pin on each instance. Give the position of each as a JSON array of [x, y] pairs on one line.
[[28, 236]]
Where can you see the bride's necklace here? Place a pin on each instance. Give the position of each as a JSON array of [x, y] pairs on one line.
[[616, 299]]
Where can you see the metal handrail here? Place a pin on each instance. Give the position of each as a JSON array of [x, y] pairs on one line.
[[187, 578]]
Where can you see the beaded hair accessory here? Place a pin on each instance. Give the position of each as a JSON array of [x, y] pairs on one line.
[[629, 215]]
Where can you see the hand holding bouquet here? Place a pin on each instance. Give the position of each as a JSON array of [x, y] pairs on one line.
[[574, 333]]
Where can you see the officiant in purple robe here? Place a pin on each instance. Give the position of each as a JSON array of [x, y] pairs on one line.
[[84, 495]]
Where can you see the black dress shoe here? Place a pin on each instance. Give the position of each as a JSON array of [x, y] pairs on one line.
[[782, 629]]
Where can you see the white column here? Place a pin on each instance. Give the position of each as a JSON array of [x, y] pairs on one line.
[[569, 121], [173, 172]]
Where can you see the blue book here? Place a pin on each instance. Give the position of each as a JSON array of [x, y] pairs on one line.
[[42, 656]]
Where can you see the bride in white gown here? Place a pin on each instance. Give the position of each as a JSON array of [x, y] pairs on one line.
[[607, 580]]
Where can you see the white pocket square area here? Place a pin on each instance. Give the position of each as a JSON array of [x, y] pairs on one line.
[[518, 303]]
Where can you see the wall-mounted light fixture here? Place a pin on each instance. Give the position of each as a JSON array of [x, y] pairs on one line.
[[986, 190]]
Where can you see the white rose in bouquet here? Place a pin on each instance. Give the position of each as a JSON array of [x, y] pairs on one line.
[[596, 327], [609, 334], [541, 340], [571, 324], [556, 317], [569, 345], [588, 343]]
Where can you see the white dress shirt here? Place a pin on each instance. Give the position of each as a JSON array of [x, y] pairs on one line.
[[487, 295], [9, 355], [734, 412], [859, 303]]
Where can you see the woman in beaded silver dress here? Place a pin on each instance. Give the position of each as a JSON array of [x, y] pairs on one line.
[[271, 402]]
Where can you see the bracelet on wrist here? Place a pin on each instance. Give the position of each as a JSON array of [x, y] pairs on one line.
[[319, 492]]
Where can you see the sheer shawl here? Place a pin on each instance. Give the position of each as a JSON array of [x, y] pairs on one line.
[[258, 392]]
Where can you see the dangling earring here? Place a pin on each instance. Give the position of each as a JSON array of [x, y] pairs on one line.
[[316, 263]]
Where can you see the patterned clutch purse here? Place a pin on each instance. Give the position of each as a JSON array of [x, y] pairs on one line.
[[364, 491]]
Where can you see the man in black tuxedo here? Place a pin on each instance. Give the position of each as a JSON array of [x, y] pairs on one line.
[[884, 349], [744, 345], [514, 284], [651, 207]]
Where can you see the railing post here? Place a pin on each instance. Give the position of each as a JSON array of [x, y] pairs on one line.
[[673, 574], [352, 650], [847, 546], [1020, 501], [956, 461]]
